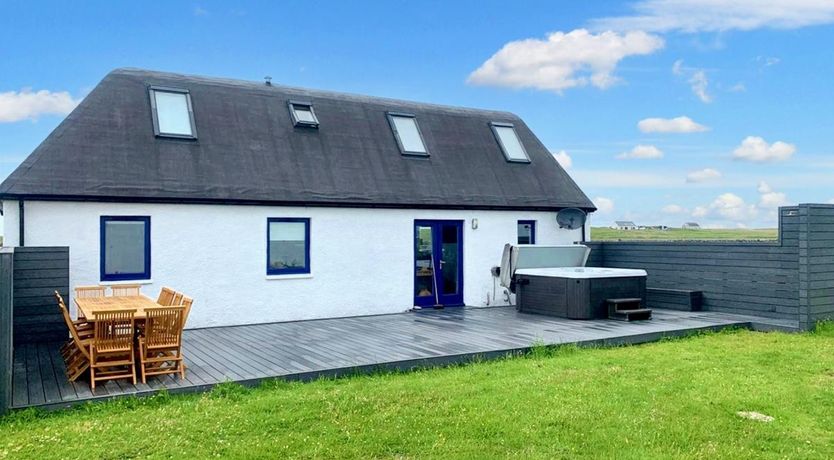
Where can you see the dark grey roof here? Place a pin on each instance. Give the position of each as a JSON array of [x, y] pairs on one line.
[[249, 152]]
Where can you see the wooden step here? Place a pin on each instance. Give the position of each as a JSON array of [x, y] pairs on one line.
[[618, 305], [636, 314], [624, 300]]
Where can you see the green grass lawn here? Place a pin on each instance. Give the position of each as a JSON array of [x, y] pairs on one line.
[[678, 234], [672, 399]]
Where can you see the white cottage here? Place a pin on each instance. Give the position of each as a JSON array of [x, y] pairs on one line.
[[269, 203]]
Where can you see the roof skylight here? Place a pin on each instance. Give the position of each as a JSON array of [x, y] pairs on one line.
[[303, 114], [510, 143], [408, 135], [172, 113]]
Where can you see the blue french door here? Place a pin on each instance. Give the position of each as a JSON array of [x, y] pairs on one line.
[[438, 263]]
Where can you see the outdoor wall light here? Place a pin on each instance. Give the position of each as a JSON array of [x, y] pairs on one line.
[[474, 224]]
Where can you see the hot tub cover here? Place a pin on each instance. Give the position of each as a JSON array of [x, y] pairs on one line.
[[582, 272]]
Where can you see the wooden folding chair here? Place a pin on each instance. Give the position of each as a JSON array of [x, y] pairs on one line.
[[125, 290], [79, 323], [89, 291], [166, 297], [82, 327], [69, 347], [111, 350], [75, 354], [82, 292], [160, 350], [186, 305]]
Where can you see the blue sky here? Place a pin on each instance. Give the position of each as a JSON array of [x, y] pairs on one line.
[[735, 98]]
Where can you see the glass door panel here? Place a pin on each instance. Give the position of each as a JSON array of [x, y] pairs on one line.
[[424, 262], [449, 258]]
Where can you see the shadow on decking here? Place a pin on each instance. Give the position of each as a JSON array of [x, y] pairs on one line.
[[304, 350]]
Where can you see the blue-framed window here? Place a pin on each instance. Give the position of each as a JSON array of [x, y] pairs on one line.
[[287, 245], [527, 232], [125, 249]]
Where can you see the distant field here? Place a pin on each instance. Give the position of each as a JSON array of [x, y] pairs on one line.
[[677, 234]]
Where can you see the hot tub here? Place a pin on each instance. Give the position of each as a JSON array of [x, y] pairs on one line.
[[576, 292]]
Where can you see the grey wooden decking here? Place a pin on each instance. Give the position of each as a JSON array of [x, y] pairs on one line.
[[329, 347]]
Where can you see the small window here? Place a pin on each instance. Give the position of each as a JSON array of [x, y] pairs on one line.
[[303, 114], [173, 115], [407, 133], [527, 232], [125, 248], [288, 246], [509, 142]]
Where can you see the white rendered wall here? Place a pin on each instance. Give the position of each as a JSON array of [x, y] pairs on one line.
[[361, 259], [10, 226]]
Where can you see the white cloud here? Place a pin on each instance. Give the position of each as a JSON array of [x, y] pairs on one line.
[[754, 148], [831, 201], [692, 16], [770, 199], [697, 79], [673, 209], [768, 61], [731, 206], [604, 205], [703, 175], [699, 83], [738, 88], [700, 211], [680, 124], [642, 152], [764, 187], [563, 60], [564, 159], [677, 67], [773, 200], [728, 206], [29, 105]]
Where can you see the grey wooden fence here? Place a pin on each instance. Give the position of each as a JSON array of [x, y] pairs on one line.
[[792, 278], [816, 264], [38, 273], [6, 327]]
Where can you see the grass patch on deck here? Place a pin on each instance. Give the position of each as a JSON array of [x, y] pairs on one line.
[[679, 234], [670, 399]]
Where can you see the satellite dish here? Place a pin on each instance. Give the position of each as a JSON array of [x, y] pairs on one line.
[[571, 218]]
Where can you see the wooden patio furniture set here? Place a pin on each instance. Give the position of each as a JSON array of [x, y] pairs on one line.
[[116, 333]]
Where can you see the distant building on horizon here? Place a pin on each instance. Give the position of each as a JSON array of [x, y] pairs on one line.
[[625, 225], [691, 226]]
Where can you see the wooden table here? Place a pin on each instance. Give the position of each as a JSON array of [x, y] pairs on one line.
[[88, 306]]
